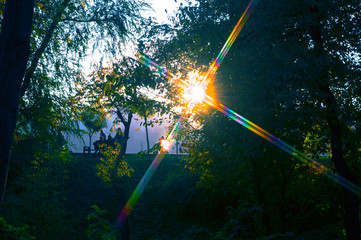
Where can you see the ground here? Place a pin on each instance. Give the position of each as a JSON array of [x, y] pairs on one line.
[[155, 216], [168, 208]]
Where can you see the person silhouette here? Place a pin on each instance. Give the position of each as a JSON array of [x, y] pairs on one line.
[[119, 135], [102, 134]]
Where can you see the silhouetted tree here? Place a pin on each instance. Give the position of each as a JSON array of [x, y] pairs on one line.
[[93, 122], [295, 66], [14, 54]]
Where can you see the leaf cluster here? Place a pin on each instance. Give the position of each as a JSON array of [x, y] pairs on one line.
[[99, 227], [11, 232], [123, 87], [112, 167], [270, 76]]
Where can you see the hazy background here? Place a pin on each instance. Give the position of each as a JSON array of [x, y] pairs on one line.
[[137, 137]]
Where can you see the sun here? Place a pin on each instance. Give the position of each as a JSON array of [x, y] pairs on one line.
[[194, 94], [193, 89]]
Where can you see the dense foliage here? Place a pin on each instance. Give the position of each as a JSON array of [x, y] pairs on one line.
[[276, 74], [294, 70]]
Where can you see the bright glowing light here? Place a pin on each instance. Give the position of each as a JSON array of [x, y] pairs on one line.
[[195, 94], [166, 144], [193, 91]]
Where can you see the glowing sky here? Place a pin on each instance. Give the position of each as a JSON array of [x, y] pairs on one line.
[[137, 142], [203, 83], [163, 9]]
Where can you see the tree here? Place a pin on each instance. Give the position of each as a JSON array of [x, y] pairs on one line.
[[58, 41], [14, 54], [118, 89], [147, 108], [324, 76], [93, 123], [292, 67], [60, 44], [325, 66]]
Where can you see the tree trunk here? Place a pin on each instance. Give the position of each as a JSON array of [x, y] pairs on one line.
[[90, 141], [283, 204], [35, 60], [146, 133], [126, 133], [14, 54], [351, 200]]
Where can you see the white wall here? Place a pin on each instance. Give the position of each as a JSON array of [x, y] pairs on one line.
[[137, 137]]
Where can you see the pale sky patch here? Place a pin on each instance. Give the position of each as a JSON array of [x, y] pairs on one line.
[[163, 9]]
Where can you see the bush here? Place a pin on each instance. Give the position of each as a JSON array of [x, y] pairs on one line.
[[243, 222], [99, 227], [9, 232], [283, 236]]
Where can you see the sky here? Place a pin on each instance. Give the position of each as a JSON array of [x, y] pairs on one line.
[[160, 6], [137, 136], [137, 141]]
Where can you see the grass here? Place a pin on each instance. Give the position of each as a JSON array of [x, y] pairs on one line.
[[157, 213], [169, 207]]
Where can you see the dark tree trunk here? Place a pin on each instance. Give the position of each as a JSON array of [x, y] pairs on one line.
[[35, 60], [14, 54], [283, 206], [90, 141], [351, 200], [126, 124], [122, 230], [146, 133]]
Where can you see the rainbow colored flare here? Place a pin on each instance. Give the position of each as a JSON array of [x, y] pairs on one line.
[[282, 145], [148, 175], [243, 121], [140, 188], [155, 67], [269, 137], [237, 29], [217, 62], [228, 112], [163, 72]]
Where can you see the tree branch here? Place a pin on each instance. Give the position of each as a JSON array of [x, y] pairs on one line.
[[120, 115], [49, 33], [82, 20]]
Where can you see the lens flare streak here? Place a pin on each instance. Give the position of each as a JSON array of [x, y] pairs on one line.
[[284, 146], [148, 175], [237, 29], [228, 112], [269, 137], [155, 67], [194, 92], [140, 188], [217, 62], [264, 134]]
